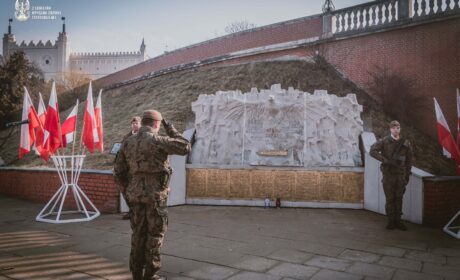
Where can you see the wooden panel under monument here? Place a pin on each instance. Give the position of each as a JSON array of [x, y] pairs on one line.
[[197, 179], [290, 185], [307, 186], [261, 183], [239, 186]]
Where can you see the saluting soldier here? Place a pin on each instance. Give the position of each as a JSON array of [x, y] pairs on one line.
[[395, 153], [142, 171]]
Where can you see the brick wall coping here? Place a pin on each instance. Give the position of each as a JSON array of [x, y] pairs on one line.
[[47, 169], [238, 34], [442, 179], [280, 168]]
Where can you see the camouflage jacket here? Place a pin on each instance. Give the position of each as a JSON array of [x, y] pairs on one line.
[[126, 136], [142, 168], [400, 163]]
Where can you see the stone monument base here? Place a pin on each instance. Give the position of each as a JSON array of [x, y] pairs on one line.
[[325, 188]]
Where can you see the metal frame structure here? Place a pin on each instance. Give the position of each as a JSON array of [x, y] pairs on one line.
[[453, 230], [68, 168]]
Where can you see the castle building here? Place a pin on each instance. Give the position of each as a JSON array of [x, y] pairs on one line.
[[55, 60]]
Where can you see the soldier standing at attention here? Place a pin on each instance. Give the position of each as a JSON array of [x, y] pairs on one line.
[[142, 172], [135, 125], [395, 153]]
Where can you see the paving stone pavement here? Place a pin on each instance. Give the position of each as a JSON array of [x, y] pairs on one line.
[[215, 242]]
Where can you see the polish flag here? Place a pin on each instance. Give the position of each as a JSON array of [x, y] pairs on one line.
[[52, 126], [445, 137], [41, 109], [99, 126], [27, 136], [458, 119], [69, 127], [90, 136], [39, 145]]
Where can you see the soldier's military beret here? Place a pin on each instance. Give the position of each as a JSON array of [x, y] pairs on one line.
[[136, 119], [152, 114], [394, 123]]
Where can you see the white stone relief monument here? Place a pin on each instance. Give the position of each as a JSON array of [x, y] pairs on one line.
[[277, 127]]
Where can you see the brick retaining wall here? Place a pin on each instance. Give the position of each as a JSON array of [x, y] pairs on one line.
[[441, 200], [292, 30], [40, 185], [427, 53]]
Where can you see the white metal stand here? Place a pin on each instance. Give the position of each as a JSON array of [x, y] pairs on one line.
[[453, 230], [86, 211]]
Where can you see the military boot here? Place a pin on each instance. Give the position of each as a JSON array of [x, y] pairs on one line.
[[391, 223], [151, 274], [400, 225]]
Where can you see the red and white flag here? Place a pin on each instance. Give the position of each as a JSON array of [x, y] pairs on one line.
[[90, 136], [445, 136], [52, 126], [99, 126], [27, 136], [39, 144], [69, 127], [41, 109], [458, 119]]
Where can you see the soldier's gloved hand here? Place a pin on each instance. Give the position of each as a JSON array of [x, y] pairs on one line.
[[167, 125]]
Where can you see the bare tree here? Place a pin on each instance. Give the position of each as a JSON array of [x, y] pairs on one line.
[[73, 79], [238, 26], [396, 93]]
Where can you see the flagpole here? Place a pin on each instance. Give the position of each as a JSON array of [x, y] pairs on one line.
[[81, 135], [75, 136], [59, 120]]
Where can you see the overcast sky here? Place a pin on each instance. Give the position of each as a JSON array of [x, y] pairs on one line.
[[120, 25]]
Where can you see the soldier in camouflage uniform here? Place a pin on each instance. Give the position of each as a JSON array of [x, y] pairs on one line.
[[135, 125], [142, 172], [395, 153]]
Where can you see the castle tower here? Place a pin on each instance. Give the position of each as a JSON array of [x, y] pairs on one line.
[[8, 40], [142, 49], [63, 52]]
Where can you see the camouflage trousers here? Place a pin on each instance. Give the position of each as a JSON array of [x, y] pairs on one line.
[[394, 187], [148, 223]]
